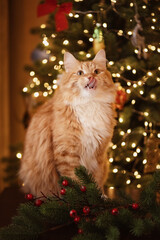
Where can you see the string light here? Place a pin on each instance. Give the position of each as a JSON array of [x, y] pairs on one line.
[[110, 160], [145, 123], [123, 144], [76, 15], [141, 92], [158, 166], [25, 89], [88, 55], [139, 185], [129, 33], [70, 14], [133, 102], [19, 155], [120, 32], [144, 134], [89, 15], [114, 146], [158, 135], [36, 94], [128, 159], [153, 96], [61, 62], [120, 119], [85, 31], [104, 25], [135, 154], [54, 86], [115, 170], [128, 91], [32, 85], [133, 145], [44, 61], [45, 42], [32, 73], [91, 39], [65, 42], [122, 133], [146, 114], [128, 181], [128, 67], [144, 6], [134, 71], [138, 150], [129, 83], [43, 26], [129, 131], [144, 161], [111, 63], [45, 94], [52, 58]]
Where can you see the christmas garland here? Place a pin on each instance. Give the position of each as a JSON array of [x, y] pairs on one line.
[[95, 216]]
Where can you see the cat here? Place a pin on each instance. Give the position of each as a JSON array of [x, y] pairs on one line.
[[73, 128]]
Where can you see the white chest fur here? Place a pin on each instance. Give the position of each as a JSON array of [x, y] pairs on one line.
[[95, 119]]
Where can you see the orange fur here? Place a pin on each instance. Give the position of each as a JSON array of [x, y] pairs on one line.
[[73, 128]]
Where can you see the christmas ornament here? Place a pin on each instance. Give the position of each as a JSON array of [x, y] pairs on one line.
[[50, 6], [114, 211], [121, 97], [135, 206], [38, 202], [152, 153], [136, 39], [98, 42], [76, 219], [83, 188], [73, 213], [39, 55], [29, 196], [65, 183], [86, 210], [63, 191]]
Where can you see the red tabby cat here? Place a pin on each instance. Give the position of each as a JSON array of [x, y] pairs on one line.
[[74, 128]]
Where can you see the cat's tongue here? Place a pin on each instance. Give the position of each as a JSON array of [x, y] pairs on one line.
[[91, 83]]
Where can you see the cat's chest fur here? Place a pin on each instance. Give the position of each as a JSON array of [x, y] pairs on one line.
[[95, 119]]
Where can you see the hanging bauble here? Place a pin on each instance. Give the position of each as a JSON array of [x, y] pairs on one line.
[[152, 153], [98, 42], [121, 97], [39, 55]]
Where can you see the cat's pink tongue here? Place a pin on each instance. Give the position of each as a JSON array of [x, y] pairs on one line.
[[92, 83]]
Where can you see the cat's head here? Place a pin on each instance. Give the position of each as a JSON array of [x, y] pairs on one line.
[[87, 80]]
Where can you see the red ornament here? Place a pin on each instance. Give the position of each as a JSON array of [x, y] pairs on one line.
[[80, 231], [73, 213], [135, 206], [65, 183], [38, 202], [76, 219], [86, 210], [83, 188], [63, 191], [121, 97], [60, 12], [29, 196], [114, 211]]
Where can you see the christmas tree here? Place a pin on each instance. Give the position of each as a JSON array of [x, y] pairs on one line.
[[129, 32]]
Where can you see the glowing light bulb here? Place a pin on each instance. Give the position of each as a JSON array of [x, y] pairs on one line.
[[104, 25], [45, 94], [146, 123], [110, 160], [140, 83], [144, 6], [141, 92], [139, 185], [43, 26], [65, 42], [129, 83], [128, 91], [120, 119], [131, 4], [111, 187], [134, 71], [25, 89], [133, 101], [114, 146], [36, 94], [91, 39], [134, 85], [115, 170], [158, 135], [129, 131], [130, 33], [85, 31], [153, 96], [44, 61], [138, 176], [144, 134], [111, 63], [19, 155], [144, 161], [53, 58], [128, 181], [120, 32], [123, 144], [70, 14], [128, 159], [76, 15], [61, 62], [138, 150], [133, 145], [122, 133], [128, 67], [135, 154], [136, 51], [146, 114], [32, 73], [45, 42], [88, 55], [158, 166], [89, 15]]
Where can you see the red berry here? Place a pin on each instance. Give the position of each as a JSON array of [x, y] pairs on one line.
[[83, 188], [63, 191], [114, 211], [38, 202], [80, 231], [65, 183], [29, 196], [135, 206], [73, 213], [86, 209], [76, 219]]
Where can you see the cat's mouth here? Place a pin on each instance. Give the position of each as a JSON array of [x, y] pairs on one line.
[[91, 84]]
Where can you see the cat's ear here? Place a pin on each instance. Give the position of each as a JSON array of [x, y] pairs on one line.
[[69, 61], [100, 58]]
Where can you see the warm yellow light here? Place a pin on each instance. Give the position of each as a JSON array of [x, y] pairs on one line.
[[85, 31], [43, 26], [145, 49], [129, 131], [128, 91], [128, 181], [70, 14], [111, 63], [25, 89], [115, 170], [144, 134], [45, 94], [158, 79], [32, 73], [144, 161], [122, 133], [114, 146], [136, 51], [88, 55], [19, 155], [65, 42], [54, 87], [104, 25], [89, 15], [158, 135], [135, 173], [44, 61], [45, 42], [139, 185], [129, 83], [91, 39], [158, 166], [128, 67], [154, 20], [152, 27], [138, 176], [52, 58], [76, 15], [32, 85], [134, 71], [134, 85], [141, 92], [130, 33], [135, 154], [111, 160], [146, 114], [145, 123], [144, 6], [120, 32], [36, 94], [133, 145], [138, 150], [61, 62], [120, 119], [111, 187], [153, 96], [128, 159], [140, 83], [123, 144], [131, 4]]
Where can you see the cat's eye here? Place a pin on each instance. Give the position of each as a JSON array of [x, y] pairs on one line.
[[80, 72], [96, 71]]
